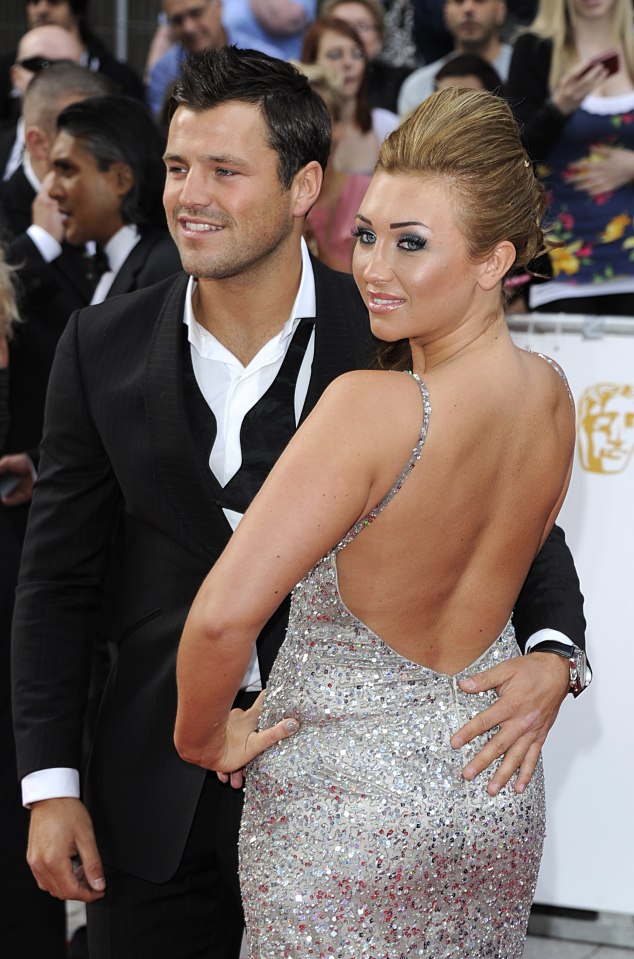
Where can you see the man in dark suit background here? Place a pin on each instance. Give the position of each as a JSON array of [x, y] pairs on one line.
[[104, 187], [172, 405], [51, 273]]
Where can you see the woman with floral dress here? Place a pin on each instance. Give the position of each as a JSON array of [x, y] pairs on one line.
[[578, 120]]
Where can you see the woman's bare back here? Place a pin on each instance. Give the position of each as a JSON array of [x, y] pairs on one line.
[[437, 573]]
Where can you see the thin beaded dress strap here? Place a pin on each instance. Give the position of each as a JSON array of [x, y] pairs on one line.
[[416, 452]]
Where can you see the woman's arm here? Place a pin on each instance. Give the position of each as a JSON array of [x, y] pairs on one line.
[[324, 481], [543, 115]]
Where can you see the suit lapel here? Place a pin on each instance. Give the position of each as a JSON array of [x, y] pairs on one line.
[[125, 280], [187, 479]]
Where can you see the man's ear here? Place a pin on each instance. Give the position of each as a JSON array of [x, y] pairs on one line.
[[38, 143], [122, 176], [496, 265], [306, 186]]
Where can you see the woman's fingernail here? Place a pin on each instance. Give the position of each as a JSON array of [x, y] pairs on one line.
[[291, 725]]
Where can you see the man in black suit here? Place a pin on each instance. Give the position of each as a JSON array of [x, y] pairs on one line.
[[30, 922], [53, 282], [172, 405]]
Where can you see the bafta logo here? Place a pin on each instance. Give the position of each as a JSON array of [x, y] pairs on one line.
[[605, 427]]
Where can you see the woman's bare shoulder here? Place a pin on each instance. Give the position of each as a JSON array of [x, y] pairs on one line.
[[371, 388], [385, 405], [548, 377]]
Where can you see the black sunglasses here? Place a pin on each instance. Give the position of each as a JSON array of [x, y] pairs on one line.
[[35, 64]]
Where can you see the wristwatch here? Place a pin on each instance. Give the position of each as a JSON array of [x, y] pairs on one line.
[[576, 659]]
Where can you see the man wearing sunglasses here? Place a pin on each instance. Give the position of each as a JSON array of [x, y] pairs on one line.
[[37, 50], [71, 15]]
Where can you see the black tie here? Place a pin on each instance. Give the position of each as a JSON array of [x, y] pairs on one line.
[[96, 265]]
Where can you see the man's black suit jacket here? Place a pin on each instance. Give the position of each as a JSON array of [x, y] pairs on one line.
[[125, 429]]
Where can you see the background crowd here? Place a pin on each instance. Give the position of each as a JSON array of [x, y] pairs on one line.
[[81, 219]]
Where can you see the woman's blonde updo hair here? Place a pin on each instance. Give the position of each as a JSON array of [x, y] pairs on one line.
[[471, 140]]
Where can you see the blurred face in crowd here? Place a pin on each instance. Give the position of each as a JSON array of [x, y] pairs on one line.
[[474, 23], [45, 43], [89, 198], [364, 22], [195, 24], [50, 11], [226, 208], [593, 9], [345, 57]]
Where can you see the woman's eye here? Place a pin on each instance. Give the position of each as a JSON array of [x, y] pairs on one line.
[[364, 236], [412, 244]]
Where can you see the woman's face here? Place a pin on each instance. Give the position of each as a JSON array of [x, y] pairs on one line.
[[341, 54], [410, 261], [364, 22], [593, 9]]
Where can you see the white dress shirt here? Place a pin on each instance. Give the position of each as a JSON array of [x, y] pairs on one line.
[[117, 249]]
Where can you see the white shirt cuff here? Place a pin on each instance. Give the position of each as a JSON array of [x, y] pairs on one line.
[[58, 783], [547, 636], [47, 245]]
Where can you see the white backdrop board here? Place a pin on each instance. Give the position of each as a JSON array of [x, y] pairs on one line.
[[589, 757]]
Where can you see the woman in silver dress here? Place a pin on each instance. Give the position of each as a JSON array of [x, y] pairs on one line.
[[361, 838]]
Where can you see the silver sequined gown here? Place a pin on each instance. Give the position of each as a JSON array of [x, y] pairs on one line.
[[360, 839]]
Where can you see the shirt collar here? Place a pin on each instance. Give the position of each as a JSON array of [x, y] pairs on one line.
[[305, 305], [119, 246]]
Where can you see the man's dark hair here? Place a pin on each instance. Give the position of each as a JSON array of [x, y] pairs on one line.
[[468, 64], [118, 129], [297, 119], [61, 80]]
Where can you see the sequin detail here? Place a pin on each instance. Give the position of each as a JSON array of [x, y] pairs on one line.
[[360, 839]]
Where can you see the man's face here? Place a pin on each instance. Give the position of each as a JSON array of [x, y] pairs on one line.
[[50, 43], [474, 23], [89, 198], [226, 208], [195, 24], [50, 11]]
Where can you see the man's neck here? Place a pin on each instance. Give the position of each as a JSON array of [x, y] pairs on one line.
[[246, 311]]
